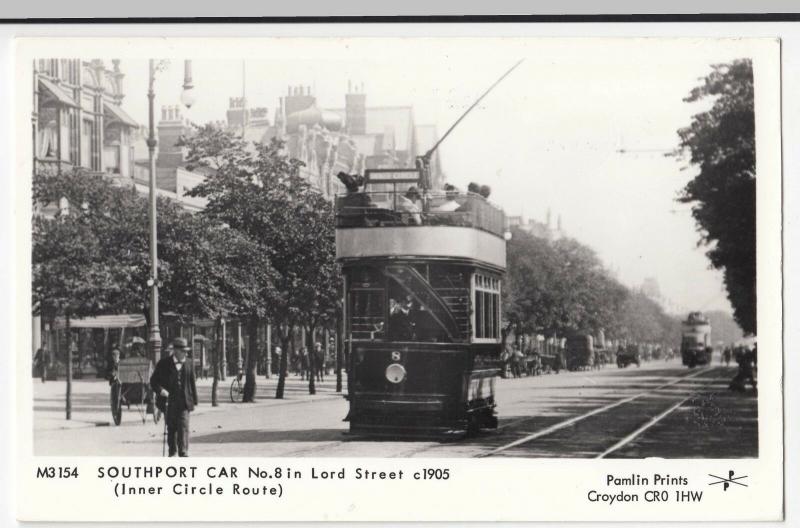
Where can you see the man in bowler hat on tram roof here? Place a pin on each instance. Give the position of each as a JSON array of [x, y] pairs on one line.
[[173, 381]]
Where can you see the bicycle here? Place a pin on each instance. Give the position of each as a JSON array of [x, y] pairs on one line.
[[237, 388]]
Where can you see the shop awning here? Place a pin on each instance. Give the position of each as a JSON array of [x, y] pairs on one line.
[[104, 321], [120, 115], [56, 92]]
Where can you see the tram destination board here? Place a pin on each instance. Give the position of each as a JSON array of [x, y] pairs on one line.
[[417, 278]]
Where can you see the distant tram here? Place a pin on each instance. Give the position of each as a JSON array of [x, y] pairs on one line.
[[423, 274], [696, 340]]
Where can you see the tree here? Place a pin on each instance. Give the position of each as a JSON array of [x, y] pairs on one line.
[[217, 273], [558, 287], [721, 144], [643, 320], [260, 193], [96, 259], [70, 276], [117, 217]]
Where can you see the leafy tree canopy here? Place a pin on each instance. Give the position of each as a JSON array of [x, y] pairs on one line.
[[720, 142], [559, 287]]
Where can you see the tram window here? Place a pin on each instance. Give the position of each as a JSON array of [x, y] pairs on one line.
[[409, 320], [367, 319], [487, 307], [366, 277]]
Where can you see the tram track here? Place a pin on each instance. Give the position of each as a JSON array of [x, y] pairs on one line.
[[655, 420], [550, 430]]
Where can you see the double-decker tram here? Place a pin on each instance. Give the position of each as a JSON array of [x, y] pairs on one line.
[[423, 275], [696, 340]]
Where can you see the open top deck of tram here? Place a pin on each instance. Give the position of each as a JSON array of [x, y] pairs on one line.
[[392, 217]]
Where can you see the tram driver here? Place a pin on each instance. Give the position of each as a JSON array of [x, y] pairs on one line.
[[401, 326]]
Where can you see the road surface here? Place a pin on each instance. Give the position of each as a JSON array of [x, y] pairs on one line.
[[657, 410]]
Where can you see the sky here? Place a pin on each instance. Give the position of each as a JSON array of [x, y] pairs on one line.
[[548, 137]]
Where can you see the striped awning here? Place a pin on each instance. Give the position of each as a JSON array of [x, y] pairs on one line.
[[104, 321], [120, 115], [57, 93]]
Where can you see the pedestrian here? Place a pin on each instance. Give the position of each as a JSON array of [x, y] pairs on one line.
[[304, 364], [113, 366], [40, 361], [319, 361], [517, 360], [277, 361], [726, 356], [505, 358], [747, 365], [296, 362], [174, 382], [537, 364]]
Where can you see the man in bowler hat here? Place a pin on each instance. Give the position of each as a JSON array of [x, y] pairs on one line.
[[173, 381]]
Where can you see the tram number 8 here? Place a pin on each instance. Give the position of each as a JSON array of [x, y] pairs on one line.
[[432, 474]]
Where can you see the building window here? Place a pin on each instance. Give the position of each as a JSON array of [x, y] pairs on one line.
[[86, 143], [74, 132], [487, 307]]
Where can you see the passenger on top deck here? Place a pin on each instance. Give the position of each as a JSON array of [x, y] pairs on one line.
[[473, 192], [411, 203], [353, 206], [451, 204], [352, 183]]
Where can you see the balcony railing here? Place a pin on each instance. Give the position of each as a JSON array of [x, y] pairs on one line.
[[51, 165], [394, 209]]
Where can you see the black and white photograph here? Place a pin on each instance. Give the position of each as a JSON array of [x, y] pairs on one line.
[[550, 253], [358, 266]]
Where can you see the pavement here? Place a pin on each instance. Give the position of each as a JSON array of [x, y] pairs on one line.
[[91, 405], [635, 412]]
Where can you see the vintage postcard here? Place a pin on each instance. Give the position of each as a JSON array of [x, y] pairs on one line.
[[498, 277]]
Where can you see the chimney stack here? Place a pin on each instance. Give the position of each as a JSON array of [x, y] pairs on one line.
[[297, 100], [170, 129]]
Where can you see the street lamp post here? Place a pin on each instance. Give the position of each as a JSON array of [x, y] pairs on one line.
[[155, 331], [187, 98]]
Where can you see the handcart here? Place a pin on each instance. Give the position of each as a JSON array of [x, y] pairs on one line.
[[131, 385]]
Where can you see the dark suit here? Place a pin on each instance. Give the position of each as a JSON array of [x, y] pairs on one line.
[[182, 399]]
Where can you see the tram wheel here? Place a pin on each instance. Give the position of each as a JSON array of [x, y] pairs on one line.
[[116, 403]]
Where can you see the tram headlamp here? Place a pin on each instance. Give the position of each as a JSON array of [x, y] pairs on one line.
[[395, 373], [507, 236]]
